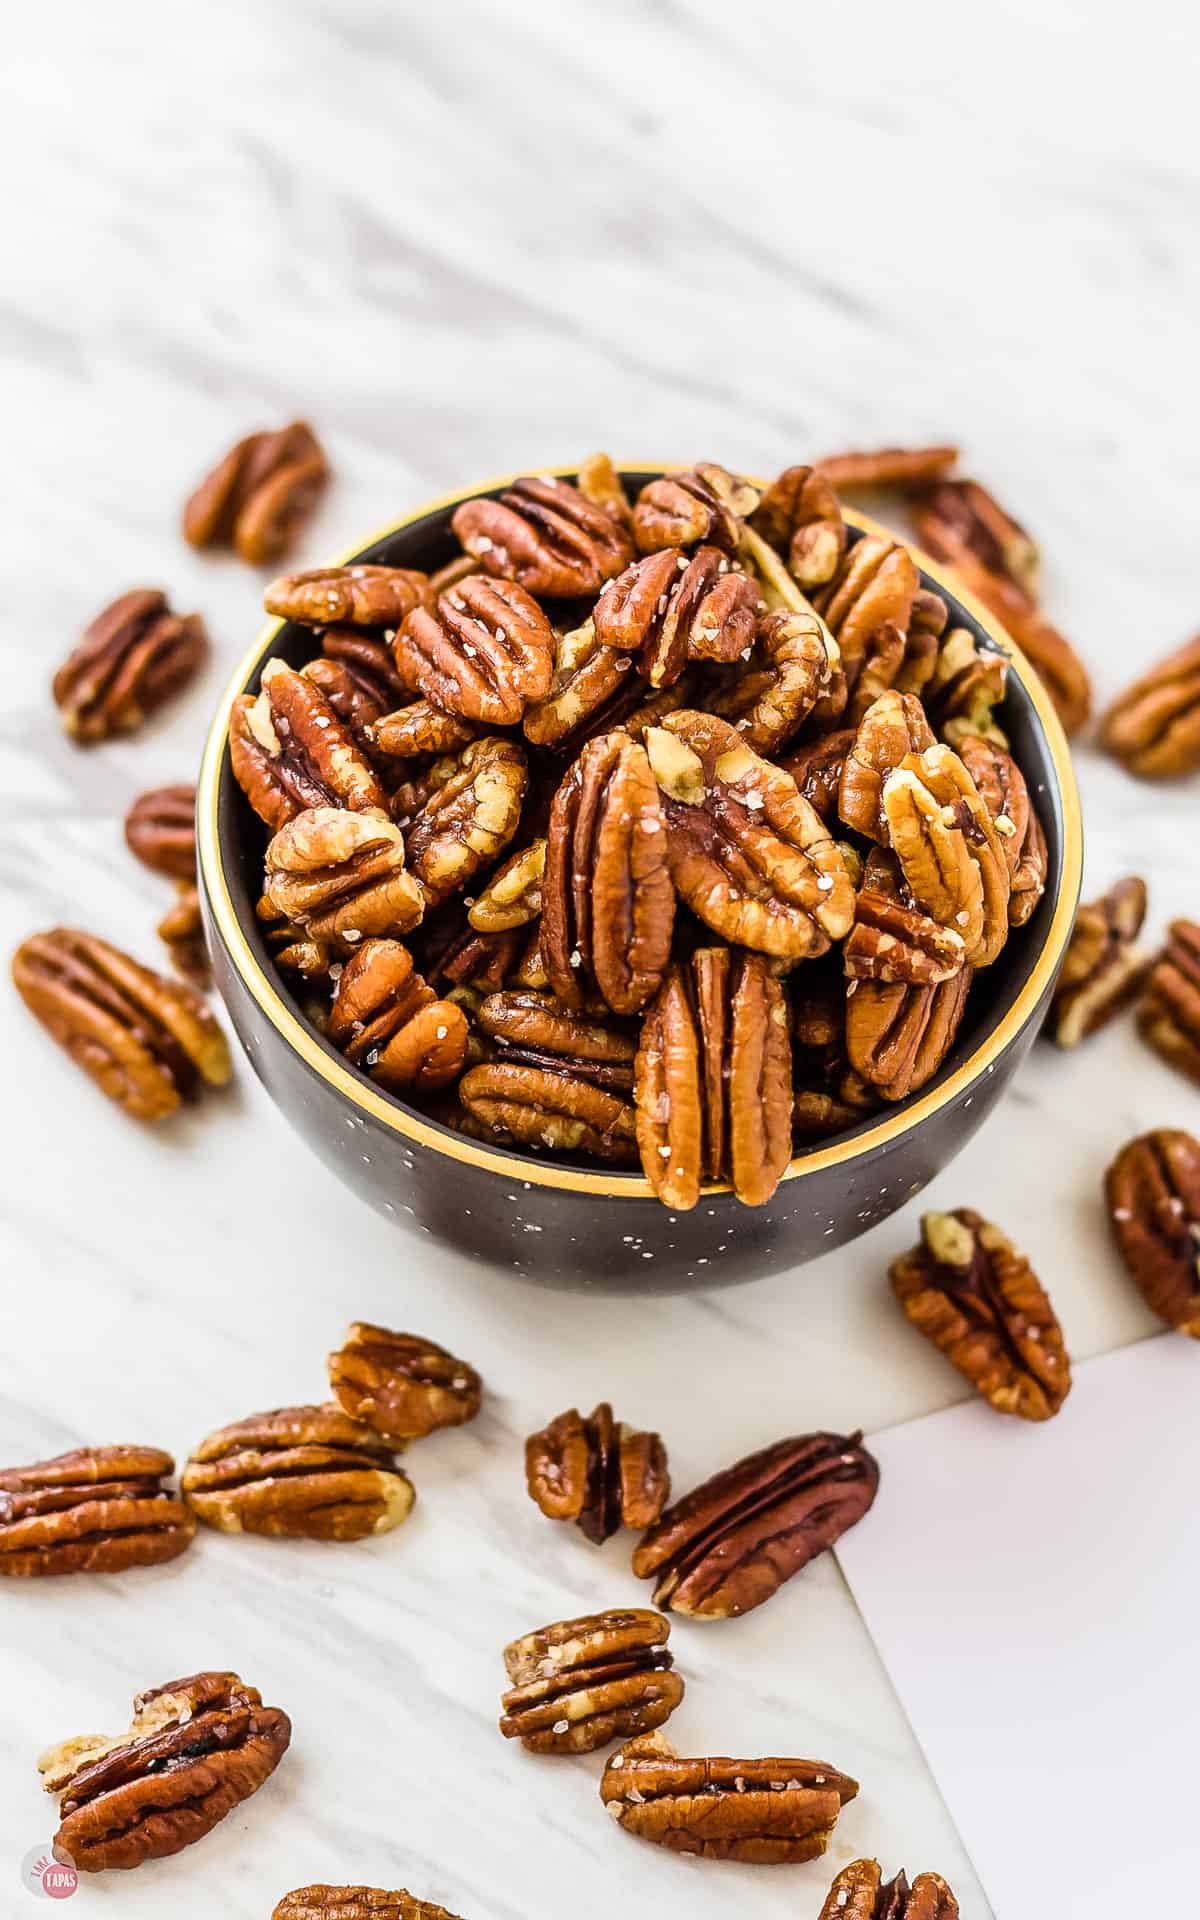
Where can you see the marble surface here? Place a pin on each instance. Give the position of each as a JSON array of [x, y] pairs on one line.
[[463, 239]]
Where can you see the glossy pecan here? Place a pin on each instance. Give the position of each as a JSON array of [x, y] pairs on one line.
[[968, 1289], [746, 851], [323, 1902], [608, 904], [484, 652], [874, 588], [881, 666], [860, 1893], [301, 1472], [342, 877], [365, 662], [733, 1542], [892, 941], [386, 1019], [705, 505], [550, 1107], [256, 497], [291, 948], [713, 1080], [670, 608], [831, 1105], [513, 895], [130, 661], [181, 930], [966, 686], [545, 535], [599, 482], [1169, 1011], [793, 661], [800, 516], [1153, 728], [483, 962], [591, 689], [1153, 1193], [926, 625], [581, 1684], [1002, 788], [597, 1472], [535, 1029], [1103, 968], [893, 726], [95, 1510], [471, 817], [772, 1812], [194, 1750], [149, 1043], [898, 1036], [356, 596], [960, 514], [289, 751], [893, 469], [160, 830], [817, 766], [400, 1385], [418, 729], [948, 847]]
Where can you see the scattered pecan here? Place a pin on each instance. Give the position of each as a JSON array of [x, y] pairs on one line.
[[1153, 728], [130, 661], [149, 1043], [968, 1289], [747, 853], [400, 1385], [800, 516], [1153, 1192], [874, 587], [582, 1684], [471, 817], [323, 1902], [892, 727], [891, 941], [966, 685], [484, 652], [860, 1893], [713, 1080], [1002, 788], [898, 469], [341, 877], [704, 505], [1103, 968], [591, 688], [357, 596], [670, 608], [160, 831], [598, 1473], [817, 769], [387, 1020], [949, 850], [898, 1036], [304, 1472], [96, 1510], [513, 895], [534, 1029], [772, 1812], [599, 482], [181, 930], [419, 728], [289, 751], [550, 1107], [733, 1542], [958, 515], [791, 666], [195, 1749], [608, 905], [256, 497], [1169, 1011], [545, 535]]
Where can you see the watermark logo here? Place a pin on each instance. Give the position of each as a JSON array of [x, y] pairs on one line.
[[47, 1878]]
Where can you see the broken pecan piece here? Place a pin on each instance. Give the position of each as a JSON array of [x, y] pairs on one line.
[[592, 686], [874, 588], [899, 469], [1169, 1011], [302, 1472], [892, 727], [95, 1510], [898, 1036], [149, 1043], [800, 516], [968, 1289], [387, 1020], [181, 931], [357, 596], [256, 497], [859, 1893], [793, 662], [484, 652], [160, 831], [670, 608], [290, 751], [470, 818], [545, 535], [1153, 1192], [966, 685], [601, 1474], [772, 1812], [582, 1684], [703, 505], [323, 1902], [513, 895], [1103, 968], [130, 661], [550, 1107], [892, 941], [733, 1542], [341, 876], [194, 1750], [1153, 728], [400, 1385], [948, 847]]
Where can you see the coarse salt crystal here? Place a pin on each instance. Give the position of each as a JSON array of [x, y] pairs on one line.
[[562, 1726]]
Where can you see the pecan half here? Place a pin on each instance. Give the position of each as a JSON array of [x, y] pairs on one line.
[[892, 727], [947, 845], [366, 661], [747, 853], [149, 1043], [1169, 1011], [358, 596], [597, 1472], [1153, 1192], [874, 587], [130, 661], [195, 1749], [968, 1289], [608, 905], [704, 505], [1153, 728], [160, 831], [470, 818], [793, 662], [537, 1030], [599, 482], [513, 895], [772, 1812], [860, 1893], [898, 1036], [302, 1472], [670, 608], [800, 516], [482, 962], [289, 751], [733, 1542], [323, 1902], [550, 1107], [960, 514], [713, 1080], [892, 941], [400, 1385], [817, 769], [181, 930], [387, 1020], [926, 625], [545, 535], [484, 652], [898, 469], [419, 728], [341, 876], [1002, 788], [1103, 968], [591, 687], [582, 1684], [95, 1510], [965, 687], [257, 496], [290, 948]]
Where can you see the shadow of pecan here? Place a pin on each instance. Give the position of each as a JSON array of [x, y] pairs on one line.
[[289, 751], [1153, 1193], [1169, 1010], [545, 535], [860, 1893], [1103, 968], [132, 659], [581, 1684], [400, 1385], [306, 1473], [95, 1510], [160, 831], [256, 497], [597, 1472]]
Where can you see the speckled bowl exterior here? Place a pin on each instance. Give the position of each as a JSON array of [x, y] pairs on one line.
[[584, 1226]]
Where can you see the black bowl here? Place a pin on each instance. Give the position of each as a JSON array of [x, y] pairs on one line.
[[575, 1225]]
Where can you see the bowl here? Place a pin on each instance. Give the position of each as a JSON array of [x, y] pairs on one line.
[[583, 1226]]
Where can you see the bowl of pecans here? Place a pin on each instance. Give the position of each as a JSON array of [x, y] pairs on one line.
[[639, 878]]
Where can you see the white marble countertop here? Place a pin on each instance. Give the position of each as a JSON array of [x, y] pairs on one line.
[[461, 239]]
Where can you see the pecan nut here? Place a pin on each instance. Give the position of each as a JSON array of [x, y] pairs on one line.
[[1153, 1192], [536, 1029], [817, 769], [323, 1902], [419, 728], [306, 1473], [195, 1749], [479, 962], [965, 687], [793, 662], [356, 596], [290, 751], [597, 1472], [1002, 788], [772, 1812], [731, 1543], [581, 1684], [800, 516], [608, 905], [470, 818], [948, 847], [181, 930], [545, 535], [387, 1020], [129, 662], [891, 941], [149, 1043], [1153, 728], [891, 469], [874, 588], [160, 831], [1103, 969], [958, 515], [713, 1080], [747, 853], [402, 1386], [342, 877], [484, 652], [898, 1036], [860, 1893], [256, 497], [591, 687], [513, 895], [96, 1510], [968, 1289], [705, 505], [550, 1107], [670, 608], [1169, 1011], [893, 726], [599, 482]]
